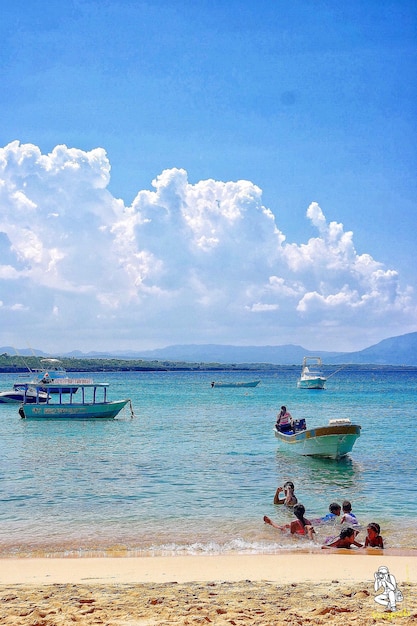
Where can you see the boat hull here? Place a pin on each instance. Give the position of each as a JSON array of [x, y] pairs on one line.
[[16, 397], [311, 376], [311, 383], [252, 383], [332, 442], [98, 410]]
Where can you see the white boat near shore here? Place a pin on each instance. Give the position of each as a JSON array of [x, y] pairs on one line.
[[91, 401], [311, 375], [333, 441]]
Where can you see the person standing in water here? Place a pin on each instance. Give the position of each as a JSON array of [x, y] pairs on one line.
[[290, 498]]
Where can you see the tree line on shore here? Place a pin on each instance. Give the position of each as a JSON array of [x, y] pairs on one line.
[[18, 364]]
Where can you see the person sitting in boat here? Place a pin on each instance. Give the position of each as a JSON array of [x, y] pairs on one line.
[[46, 378], [290, 498], [285, 422]]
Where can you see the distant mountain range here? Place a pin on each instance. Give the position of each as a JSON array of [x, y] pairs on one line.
[[400, 350]]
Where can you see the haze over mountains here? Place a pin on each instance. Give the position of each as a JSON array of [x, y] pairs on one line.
[[401, 350]]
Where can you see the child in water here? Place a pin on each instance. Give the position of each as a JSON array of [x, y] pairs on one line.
[[374, 539], [347, 516], [334, 511], [346, 539], [300, 526]]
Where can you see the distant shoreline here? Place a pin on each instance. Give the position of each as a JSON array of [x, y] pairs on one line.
[[21, 365]]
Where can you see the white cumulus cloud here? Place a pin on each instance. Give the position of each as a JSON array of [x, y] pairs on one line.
[[184, 263]]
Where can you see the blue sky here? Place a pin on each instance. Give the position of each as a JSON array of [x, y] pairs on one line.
[[236, 172]]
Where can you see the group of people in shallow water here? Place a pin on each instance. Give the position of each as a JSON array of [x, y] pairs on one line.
[[348, 521]]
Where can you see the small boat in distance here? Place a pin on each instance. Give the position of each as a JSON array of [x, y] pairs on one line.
[[311, 375], [250, 383], [333, 441], [91, 401]]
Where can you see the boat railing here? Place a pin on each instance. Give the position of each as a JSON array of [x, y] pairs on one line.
[[63, 382], [65, 392]]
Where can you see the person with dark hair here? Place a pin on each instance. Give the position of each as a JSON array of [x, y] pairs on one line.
[[285, 422], [374, 539], [334, 512], [290, 498], [335, 509], [347, 516], [300, 526], [346, 539]]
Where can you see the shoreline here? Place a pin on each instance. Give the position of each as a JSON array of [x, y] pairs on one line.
[[326, 565]]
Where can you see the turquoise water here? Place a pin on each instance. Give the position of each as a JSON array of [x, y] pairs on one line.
[[196, 469]]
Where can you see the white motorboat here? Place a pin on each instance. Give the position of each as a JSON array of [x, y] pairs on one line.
[[333, 441], [311, 375], [51, 370], [21, 392]]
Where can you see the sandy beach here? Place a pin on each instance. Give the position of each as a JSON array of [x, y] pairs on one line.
[[234, 590]]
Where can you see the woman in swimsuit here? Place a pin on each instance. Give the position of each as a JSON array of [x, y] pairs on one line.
[[300, 526]]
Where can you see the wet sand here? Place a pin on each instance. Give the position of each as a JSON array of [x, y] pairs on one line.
[[328, 587]]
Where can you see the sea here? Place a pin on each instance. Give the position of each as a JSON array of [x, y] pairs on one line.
[[196, 468]]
